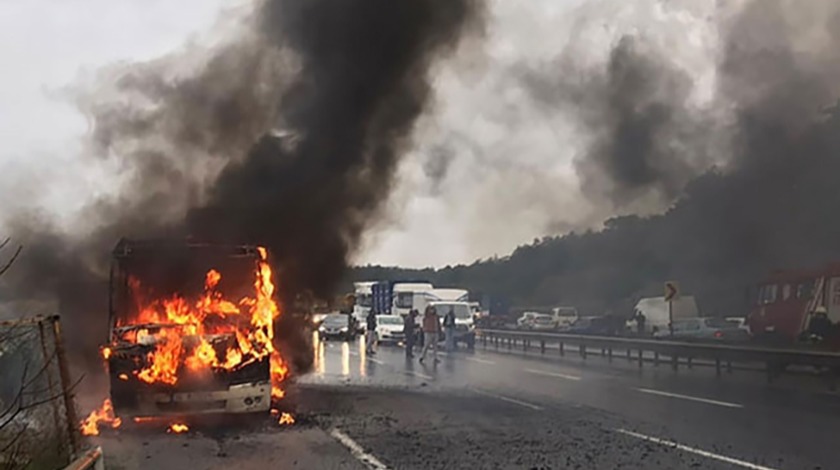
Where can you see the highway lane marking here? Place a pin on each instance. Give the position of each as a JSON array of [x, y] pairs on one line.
[[694, 450], [688, 397], [508, 399], [552, 374], [481, 361], [418, 374], [358, 452]]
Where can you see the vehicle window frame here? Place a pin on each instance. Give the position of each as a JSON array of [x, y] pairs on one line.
[[400, 296]]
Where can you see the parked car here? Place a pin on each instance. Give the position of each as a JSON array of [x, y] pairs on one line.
[[536, 321], [389, 329], [704, 328], [336, 326]]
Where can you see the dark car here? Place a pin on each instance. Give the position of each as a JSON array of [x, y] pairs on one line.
[[336, 326]]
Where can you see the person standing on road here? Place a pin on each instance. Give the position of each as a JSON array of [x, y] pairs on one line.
[[431, 328], [371, 332], [819, 328], [640, 323], [449, 329], [408, 332]]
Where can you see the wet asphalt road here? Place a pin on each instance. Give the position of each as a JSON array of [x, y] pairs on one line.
[[491, 409], [793, 423]]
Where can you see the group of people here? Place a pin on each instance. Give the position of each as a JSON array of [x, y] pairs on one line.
[[430, 330]]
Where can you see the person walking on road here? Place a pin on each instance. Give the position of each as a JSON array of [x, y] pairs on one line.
[[408, 333], [449, 329], [431, 328], [371, 332]]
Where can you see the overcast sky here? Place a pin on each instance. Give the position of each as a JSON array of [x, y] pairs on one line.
[[490, 169]]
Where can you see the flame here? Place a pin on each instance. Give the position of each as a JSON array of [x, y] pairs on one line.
[[178, 428], [104, 415], [106, 353], [286, 419], [186, 340], [279, 371], [144, 419]]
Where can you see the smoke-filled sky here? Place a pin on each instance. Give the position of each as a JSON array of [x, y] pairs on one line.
[[519, 138]]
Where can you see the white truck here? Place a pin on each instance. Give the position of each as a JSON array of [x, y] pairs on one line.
[[655, 311], [364, 301], [411, 295]]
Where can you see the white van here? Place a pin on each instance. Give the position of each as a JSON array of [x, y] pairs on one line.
[[464, 321], [655, 310], [439, 295], [564, 317]]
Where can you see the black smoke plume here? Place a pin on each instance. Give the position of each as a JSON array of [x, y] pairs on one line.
[[286, 136], [771, 204], [642, 138]]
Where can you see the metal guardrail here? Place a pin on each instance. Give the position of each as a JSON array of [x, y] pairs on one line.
[[723, 355]]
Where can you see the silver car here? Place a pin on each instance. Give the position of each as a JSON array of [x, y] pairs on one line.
[[704, 328]]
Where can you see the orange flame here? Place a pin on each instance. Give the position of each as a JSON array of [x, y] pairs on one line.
[[178, 428], [182, 340], [104, 415], [286, 419], [279, 371]]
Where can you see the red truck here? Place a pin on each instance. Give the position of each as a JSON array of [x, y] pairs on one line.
[[788, 302]]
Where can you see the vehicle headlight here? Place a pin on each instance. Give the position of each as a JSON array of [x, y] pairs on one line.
[[343, 329], [321, 328]]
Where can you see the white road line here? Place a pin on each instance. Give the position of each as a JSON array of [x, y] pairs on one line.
[[509, 400], [367, 459], [418, 374], [688, 397], [552, 374], [377, 361], [480, 361], [694, 450]]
